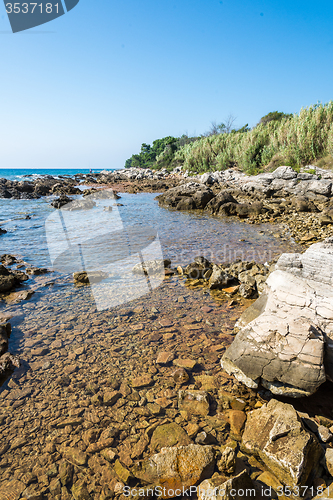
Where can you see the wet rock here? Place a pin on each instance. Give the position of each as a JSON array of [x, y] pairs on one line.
[[180, 376], [168, 435], [111, 397], [36, 271], [302, 204], [11, 489], [6, 282], [185, 363], [61, 201], [275, 434], [165, 357], [177, 467], [194, 402], [247, 291], [152, 266], [80, 490], [219, 278], [283, 347], [89, 277], [74, 455], [186, 203], [198, 268], [8, 362], [5, 330], [79, 205], [222, 198], [143, 381], [122, 472], [3, 231]]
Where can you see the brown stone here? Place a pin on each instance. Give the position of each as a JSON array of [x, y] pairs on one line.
[[194, 402], [165, 357], [188, 364]]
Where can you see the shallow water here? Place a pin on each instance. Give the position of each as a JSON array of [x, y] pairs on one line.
[[183, 235]]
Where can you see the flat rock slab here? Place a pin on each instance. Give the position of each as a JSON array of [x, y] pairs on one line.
[[282, 340]]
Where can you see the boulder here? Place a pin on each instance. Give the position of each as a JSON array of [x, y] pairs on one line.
[[198, 268], [285, 173], [177, 467], [235, 488], [219, 278], [275, 434], [61, 201], [288, 347], [6, 283], [222, 198], [168, 435], [186, 203]]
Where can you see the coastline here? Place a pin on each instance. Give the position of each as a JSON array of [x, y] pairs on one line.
[[89, 378]]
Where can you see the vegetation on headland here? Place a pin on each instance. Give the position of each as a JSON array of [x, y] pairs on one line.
[[278, 139]]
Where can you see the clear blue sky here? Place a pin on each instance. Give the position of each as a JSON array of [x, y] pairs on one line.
[[89, 87]]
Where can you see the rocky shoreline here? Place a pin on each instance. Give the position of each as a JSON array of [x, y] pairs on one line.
[[108, 403]]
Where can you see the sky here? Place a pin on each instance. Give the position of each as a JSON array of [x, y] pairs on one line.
[[88, 88]]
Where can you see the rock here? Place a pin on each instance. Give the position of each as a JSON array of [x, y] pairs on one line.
[[168, 435], [180, 376], [198, 268], [61, 201], [177, 467], [325, 220], [121, 471], [227, 461], [3, 231], [11, 489], [302, 204], [237, 421], [194, 402], [235, 488], [80, 491], [165, 357], [222, 198], [5, 330], [283, 347], [36, 271], [143, 381], [275, 434], [8, 362], [90, 277], [219, 278], [6, 283], [329, 460], [111, 397], [247, 291], [186, 363], [152, 266], [324, 434], [79, 205], [285, 173], [74, 455]]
